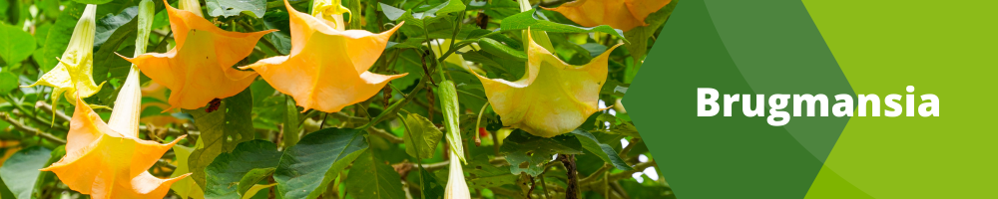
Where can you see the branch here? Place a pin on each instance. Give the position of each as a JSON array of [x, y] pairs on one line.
[[446, 163], [48, 108], [384, 134], [21, 127]]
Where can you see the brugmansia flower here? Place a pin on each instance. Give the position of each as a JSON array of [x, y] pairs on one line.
[[327, 68], [74, 73], [619, 14], [456, 187], [199, 69], [109, 160], [553, 97]]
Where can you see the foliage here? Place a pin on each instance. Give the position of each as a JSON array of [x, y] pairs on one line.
[[261, 143]]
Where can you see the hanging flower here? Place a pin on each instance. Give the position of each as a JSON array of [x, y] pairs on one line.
[[327, 67], [553, 97], [110, 161], [456, 187], [199, 69], [74, 73], [619, 14]]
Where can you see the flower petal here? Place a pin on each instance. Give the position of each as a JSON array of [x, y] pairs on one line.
[[619, 14], [553, 97]]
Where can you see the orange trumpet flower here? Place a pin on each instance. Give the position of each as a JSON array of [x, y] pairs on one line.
[[107, 163], [327, 67], [619, 14], [199, 69]]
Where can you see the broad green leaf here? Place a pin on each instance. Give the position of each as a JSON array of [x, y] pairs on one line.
[[221, 131], [185, 188], [604, 151], [114, 32], [526, 20], [391, 12], [248, 182], [8, 82], [502, 50], [484, 175], [496, 9], [431, 187], [254, 189], [528, 153], [316, 160], [371, 178], [226, 172], [98, 2], [290, 122], [228, 8], [108, 24], [447, 7], [422, 135], [20, 171], [16, 44]]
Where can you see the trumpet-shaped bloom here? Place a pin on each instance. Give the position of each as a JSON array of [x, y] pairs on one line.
[[327, 68], [106, 162], [74, 73], [456, 187], [199, 69], [619, 14], [552, 97]]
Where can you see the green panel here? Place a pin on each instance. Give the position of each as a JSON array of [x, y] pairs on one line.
[[947, 48], [744, 48], [778, 49]]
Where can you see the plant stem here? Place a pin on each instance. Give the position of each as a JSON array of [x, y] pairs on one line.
[[21, 127]]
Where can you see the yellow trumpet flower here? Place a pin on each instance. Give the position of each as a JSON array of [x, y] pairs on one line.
[[74, 73], [619, 14], [199, 69], [327, 67], [552, 97]]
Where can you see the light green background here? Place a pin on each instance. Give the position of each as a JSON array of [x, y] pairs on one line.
[[948, 48]]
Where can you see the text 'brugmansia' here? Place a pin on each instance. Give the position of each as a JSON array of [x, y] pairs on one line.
[[707, 105]]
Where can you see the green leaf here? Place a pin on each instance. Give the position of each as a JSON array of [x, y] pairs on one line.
[[20, 171], [290, 122], [8, 82], [446, 7], [484, 175], [97, 2], [248, 182], [316, 160], [185, 188], [526, 20], [496, 9], [221, 131], [108, 24], [604, 151], [391, 12], [528, 153], [423, 135], [370, 177], [113, 33], [226, 173], [250, 192], [16, 44], [228, 8], [502, 50]]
